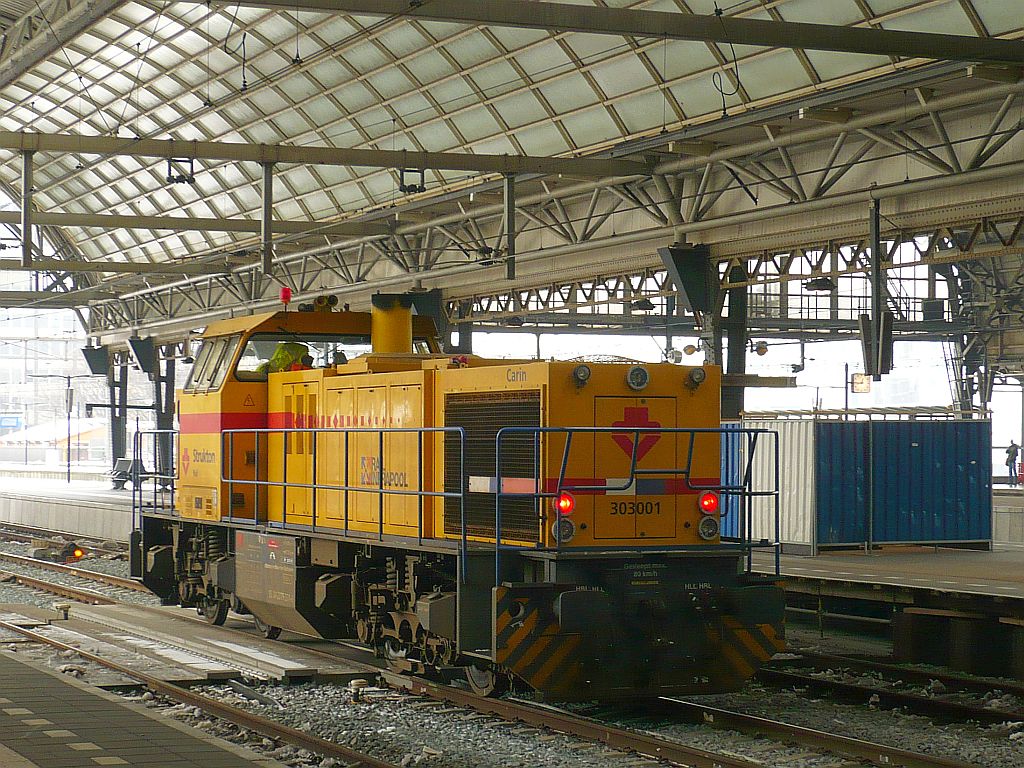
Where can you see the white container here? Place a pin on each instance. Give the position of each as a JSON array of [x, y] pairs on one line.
[[797, 483]]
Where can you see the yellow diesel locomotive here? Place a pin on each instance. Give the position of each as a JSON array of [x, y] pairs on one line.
[[552, 525]]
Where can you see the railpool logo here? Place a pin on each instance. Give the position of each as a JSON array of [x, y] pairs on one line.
[[370, 474]]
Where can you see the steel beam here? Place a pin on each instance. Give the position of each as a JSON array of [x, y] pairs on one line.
[[222, 151], [25, 215], [39, 299], [191, 224], [267, 221], [30, 41], [115, 267], [509, 216], [626, 22]]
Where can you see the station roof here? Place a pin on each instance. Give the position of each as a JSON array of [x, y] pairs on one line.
[[202, 71]]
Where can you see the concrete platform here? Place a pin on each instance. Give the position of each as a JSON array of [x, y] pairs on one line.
[[48, 720], [999, 573], [84, 508], [173, 645]]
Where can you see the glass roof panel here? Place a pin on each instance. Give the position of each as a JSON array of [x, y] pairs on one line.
[[385, 83], [999, 16], [946, 17]]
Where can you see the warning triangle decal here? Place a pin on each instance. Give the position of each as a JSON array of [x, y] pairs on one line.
[[248, 401]]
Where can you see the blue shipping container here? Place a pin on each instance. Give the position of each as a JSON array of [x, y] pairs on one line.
[[732, 474], [841, 456], [903, 482], [931, 481]]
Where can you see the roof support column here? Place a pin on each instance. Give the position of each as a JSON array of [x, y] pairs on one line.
[[26, 209], [510, 227], [266, 223]]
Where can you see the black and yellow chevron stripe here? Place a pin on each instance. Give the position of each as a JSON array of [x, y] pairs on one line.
[[532, 645], [745, 648]]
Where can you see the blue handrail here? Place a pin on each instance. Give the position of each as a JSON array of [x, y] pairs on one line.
[[744, 489]]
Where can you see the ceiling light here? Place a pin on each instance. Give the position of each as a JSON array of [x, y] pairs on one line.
[[823, 283]]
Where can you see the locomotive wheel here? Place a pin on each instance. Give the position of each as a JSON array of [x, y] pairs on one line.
[[268, 631], [485, 682], [214, 611]]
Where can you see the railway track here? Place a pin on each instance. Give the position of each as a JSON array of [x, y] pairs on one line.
[[952, 682], [653, 746], [82, 573], [220, 709], [885, 696], [28, 533], [650, 745], [80, 594]]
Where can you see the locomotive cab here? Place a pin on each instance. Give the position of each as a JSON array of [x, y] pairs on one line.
[[227, 390]]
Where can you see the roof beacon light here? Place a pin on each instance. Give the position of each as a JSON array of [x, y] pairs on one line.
[[565, 503], [286, 295], [708, 502]]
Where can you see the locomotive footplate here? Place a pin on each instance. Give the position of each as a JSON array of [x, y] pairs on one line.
[[640, 628]]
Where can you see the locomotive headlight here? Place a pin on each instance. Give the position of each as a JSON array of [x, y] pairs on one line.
[[581, 374], [637, 378], [564, 529], [708, 528], [696, 377]]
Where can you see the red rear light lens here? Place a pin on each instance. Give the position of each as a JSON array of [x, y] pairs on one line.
[[708, 502], [565, 503]]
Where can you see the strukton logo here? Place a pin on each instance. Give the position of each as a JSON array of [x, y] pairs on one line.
[[636, 417]]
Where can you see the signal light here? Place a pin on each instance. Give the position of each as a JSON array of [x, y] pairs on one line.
[[708, 502], [565, 503], [78, 554]]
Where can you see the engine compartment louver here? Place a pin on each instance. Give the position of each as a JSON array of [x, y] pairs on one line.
[[481, 415]]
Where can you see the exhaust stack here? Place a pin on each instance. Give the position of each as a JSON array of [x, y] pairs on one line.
[[391, 323]]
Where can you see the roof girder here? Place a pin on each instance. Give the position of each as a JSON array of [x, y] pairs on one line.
[[176, 149], [676, 26]]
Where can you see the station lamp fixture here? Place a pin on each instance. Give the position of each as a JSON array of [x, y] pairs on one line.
[[824, 283]]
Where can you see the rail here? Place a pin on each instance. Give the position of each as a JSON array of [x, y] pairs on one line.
[[541, 488]]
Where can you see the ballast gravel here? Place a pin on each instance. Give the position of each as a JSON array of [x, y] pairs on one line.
[[70, 580], [998, 746], [407, 730]]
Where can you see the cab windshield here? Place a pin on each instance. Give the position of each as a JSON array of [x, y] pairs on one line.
[[267, 353]]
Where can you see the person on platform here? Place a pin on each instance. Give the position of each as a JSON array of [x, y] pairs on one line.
[[1011, 462]]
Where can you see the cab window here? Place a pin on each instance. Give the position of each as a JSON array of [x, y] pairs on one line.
[[266, 353], [212, 364]]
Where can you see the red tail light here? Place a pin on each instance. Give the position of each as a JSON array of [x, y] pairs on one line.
[[708, 502], [565, 503]]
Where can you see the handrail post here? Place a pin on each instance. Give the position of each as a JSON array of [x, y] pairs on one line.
[[286, 438], [419, 486], [256, 485], [347, 483], [380, 485], [462, 499], [315, 433], [231, 473], [497, 504]]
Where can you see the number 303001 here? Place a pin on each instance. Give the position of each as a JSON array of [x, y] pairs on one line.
[[636, 507]]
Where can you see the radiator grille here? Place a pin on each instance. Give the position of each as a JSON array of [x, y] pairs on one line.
[[481, 415]]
